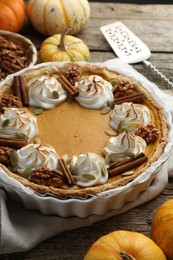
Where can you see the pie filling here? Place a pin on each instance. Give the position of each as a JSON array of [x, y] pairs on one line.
[[78, 129]]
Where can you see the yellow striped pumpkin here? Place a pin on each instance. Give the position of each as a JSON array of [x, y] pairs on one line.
[[51, 17], [62, 47]]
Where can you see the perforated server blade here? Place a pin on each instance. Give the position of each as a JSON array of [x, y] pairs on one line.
[[128, 47]]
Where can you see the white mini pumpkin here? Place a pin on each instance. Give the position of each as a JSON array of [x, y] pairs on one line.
[[51, 17]]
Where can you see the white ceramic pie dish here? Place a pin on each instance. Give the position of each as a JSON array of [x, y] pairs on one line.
[[113, 199]]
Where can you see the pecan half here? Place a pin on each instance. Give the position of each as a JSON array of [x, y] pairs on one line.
[[73, 74], [47, 177], [5, 153], [122, 88], [9, 100], [149, 133]]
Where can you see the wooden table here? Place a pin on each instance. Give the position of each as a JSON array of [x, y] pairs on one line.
[[154, 25]]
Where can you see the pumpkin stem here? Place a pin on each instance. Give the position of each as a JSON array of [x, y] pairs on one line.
[[62, 39], [126, 256]]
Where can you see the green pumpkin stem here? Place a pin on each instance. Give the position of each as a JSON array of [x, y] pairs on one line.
[[62, 46]]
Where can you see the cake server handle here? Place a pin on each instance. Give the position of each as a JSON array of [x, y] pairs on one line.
[[168, 82]]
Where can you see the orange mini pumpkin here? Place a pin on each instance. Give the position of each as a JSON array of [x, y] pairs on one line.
[[122, 244], [162, 228], [12, 14]]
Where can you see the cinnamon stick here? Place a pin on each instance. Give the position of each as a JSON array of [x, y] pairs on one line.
[[66, 172], [12, 142], [126, 166], [23, 91], [119, 163], [20, 90], [68, 86], [135, 98], [16, 87]]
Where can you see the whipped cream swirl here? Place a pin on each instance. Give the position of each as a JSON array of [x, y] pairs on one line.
[[45, 92], [94, 92], [89, 169], [129, 116], [15, 120], [35, 156], [121, 146]]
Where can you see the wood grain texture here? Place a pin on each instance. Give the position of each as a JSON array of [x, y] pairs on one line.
[[153, 24]]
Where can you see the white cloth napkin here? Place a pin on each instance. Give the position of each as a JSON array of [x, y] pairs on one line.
[[17, 223]]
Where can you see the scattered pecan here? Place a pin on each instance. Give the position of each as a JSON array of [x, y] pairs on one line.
[[2, 75], [2, 39], [73, 74], [8, 45], [9, 100], [12, 57], [47, 177], [149, 133], [122, 88], [5, 153], [9, 66]]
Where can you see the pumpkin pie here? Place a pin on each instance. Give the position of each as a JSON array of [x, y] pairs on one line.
[[78, 129]]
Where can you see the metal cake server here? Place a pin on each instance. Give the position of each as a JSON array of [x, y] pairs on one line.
[[128, 47]]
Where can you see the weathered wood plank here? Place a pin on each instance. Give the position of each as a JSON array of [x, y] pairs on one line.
[[157, 22], [139, 18]]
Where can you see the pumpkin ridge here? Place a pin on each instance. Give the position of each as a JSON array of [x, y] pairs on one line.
[[66, 19], [72, 55], [84, 10], [79, 53], [30, 8], [52, 53], [16, 16], [10, 11], [44, 17]]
